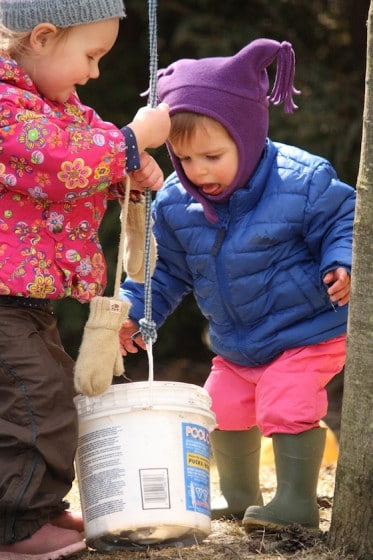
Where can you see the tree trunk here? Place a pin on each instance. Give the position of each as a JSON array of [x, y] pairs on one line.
[[352, 520]]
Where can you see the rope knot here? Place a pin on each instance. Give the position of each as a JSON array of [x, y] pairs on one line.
[[148, 330]]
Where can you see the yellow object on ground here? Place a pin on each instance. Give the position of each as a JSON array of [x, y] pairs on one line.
[[330, 454]]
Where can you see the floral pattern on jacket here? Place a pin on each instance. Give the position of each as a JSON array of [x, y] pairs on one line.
[[59, 164]]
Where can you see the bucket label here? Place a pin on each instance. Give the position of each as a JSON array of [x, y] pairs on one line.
[[101, 473], [196, 450]]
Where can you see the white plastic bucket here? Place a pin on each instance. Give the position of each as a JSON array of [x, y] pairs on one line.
[[143, 463]]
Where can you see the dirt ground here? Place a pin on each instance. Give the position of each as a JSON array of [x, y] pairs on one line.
[[228, 541]]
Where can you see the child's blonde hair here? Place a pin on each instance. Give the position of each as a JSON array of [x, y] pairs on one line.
[[13, 41], [16, 42]]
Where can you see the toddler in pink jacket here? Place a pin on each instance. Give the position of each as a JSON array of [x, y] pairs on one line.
[[59, 165]]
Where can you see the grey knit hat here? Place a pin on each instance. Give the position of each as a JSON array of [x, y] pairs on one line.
[[24, 15]]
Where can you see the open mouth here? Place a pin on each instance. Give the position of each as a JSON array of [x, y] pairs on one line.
[[211, 188]]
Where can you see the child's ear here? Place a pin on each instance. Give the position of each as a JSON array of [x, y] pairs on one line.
[[41, 34]]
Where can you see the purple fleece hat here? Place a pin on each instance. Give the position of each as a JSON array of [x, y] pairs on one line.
[[232, 90]]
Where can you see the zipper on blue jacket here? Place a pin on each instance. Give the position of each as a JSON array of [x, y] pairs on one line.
[[219, 239], [220, 269]]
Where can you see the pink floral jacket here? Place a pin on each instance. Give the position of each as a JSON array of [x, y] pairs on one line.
[[59, 164]]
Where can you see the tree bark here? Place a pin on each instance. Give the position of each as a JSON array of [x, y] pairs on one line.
[[351, 524]]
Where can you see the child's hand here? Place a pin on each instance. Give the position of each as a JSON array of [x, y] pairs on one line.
[[338, 282], [149, 175], [126, 342], [151, 126]]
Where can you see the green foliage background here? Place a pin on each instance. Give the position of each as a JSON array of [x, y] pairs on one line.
[[329, 39]]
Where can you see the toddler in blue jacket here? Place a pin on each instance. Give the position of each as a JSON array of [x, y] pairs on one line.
[[261, 233]]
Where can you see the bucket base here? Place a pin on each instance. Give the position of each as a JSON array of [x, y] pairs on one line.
[[132, 541]]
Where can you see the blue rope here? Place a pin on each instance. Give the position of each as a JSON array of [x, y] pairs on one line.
[[147, 325], [153, 54]]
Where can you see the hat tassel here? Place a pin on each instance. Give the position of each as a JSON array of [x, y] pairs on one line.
[[283, 89]]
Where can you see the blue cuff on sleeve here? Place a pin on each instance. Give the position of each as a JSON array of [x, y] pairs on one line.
[[133, 156]]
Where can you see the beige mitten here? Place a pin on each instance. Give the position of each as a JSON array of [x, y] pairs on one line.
[[134, 241], [99, 355]]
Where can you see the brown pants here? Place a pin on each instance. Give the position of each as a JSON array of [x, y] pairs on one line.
[[38, 422]]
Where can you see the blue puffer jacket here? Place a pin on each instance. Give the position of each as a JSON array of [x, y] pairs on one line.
[[256, 274]]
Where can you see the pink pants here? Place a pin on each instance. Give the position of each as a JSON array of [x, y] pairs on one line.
[[285, 396]]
